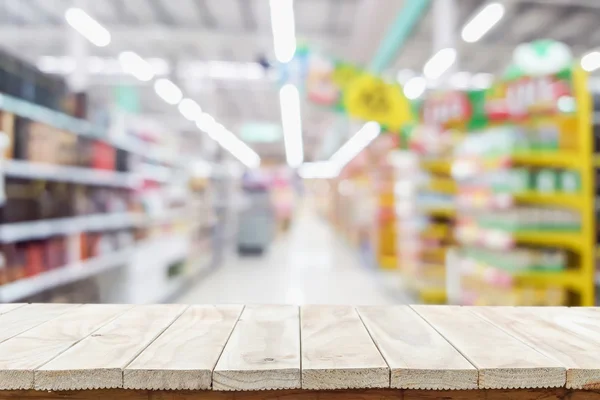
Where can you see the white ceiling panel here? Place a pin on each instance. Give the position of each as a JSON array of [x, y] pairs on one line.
[[187, 12], [311, 16], [227, 13]]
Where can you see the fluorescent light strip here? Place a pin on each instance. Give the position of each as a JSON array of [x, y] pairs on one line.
[[165, 89], [135, 65], [439, 63], [189, 109], [591, 61], [415, 87], [482, 22], [356, 144], [284, 29], [235, 146], [289, 99], [205, 122], [88, 27], [168, 91], [319, 170]]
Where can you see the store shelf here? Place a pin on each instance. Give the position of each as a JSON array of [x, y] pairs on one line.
[[440, 212], [426, 293], [570, 240], [551, 199], [436, 232], [441, 166], [64, 226], [442, 185], [550, 160], [81, 270], [81, 127], [86, 176]]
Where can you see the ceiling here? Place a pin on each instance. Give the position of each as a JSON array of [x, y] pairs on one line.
[[187, 39], [574, 22]]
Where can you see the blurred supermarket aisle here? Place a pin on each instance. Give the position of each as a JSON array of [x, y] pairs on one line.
[[307, 265]]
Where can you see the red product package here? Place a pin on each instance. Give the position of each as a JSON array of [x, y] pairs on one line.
[[103, 156]]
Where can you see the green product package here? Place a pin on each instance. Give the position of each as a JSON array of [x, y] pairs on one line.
[[570, 181], [546, 181], [520, 180]]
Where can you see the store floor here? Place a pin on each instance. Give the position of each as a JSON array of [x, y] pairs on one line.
[[307, 265]]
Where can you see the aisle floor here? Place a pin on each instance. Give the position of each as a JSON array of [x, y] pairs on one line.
[[307, 265]]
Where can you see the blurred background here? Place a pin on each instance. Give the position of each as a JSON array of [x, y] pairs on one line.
[[307, 151]]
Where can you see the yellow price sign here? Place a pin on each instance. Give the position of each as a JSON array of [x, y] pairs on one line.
[[369, 98]]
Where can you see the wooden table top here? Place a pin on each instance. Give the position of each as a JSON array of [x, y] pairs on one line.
[[251, 348]]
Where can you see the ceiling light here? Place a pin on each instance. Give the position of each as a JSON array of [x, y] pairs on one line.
[[135, 65], [289, 99], [88, 27], [168, 91], [404, 75], [356, 144], [415, 87], [284, 30], [205, 122], [319, 170], [591, 61], [439, 63], [189, 109], [481, 23], [482, 81], [460, 80], [235, 146]]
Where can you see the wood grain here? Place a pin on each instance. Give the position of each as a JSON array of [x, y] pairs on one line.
[[97, 361], [263, 351], [99, 394], [298, 394], [418, 356], [337, 351], [357, 394], [24, 318], [22, 354], [7, 307], [555, 334], [503, 361], [184, 356]]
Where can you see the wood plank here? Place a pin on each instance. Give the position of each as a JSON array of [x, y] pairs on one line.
[[27, 317], [337, 351], [97, 361], [22, 354], [294, 394], [363, 394], [503, 361], [263, 351], [184, 356], [7, 307], [555, 334], [418, 356]]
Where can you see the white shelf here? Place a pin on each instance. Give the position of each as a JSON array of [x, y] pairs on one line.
[[88, 176], [64, 226], [29, 286], [81, 127]]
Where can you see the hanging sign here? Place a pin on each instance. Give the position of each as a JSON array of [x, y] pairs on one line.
[[346, 88]]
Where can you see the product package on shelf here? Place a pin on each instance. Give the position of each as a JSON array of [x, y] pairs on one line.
[[443, 118], [524, 202]]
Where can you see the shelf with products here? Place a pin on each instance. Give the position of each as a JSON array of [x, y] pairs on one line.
[[29, 286], [60, 173], [434, 138], [524, 205], [13, 108]]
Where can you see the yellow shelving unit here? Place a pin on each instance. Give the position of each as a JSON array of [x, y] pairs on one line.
[[440, 167], [577, 278], [551, 199]]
